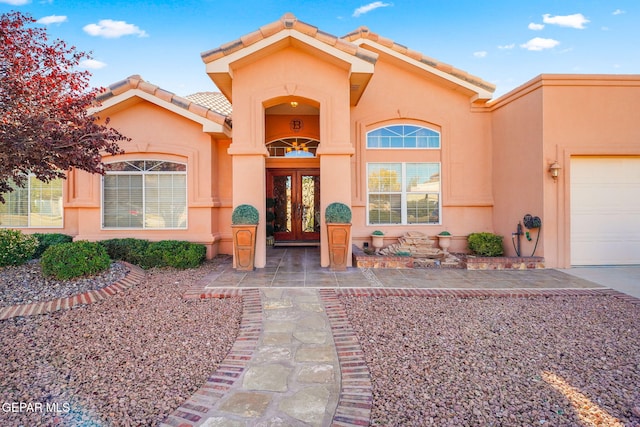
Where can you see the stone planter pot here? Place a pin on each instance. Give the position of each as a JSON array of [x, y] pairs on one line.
[[444, 242], [244, 246], [377, 241], [339, 238]]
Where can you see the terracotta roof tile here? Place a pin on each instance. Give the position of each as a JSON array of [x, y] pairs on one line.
[[214, 101], [216, 111], [365, 33], [287, 22]]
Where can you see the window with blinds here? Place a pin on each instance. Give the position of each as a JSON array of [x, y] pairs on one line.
[[147, 194], [37, 205]]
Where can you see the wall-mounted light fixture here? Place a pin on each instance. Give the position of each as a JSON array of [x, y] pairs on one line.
[[554, 170], [294, 104]]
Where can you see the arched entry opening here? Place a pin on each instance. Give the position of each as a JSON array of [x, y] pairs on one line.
[[292, 138]]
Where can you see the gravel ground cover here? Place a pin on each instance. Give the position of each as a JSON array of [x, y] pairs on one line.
[[129, 360], [25, 283], [558, 361]]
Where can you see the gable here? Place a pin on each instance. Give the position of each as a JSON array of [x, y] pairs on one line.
[[134, 89], [282, 34]]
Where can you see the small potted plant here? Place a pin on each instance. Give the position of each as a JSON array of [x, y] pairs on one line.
[[338, 219], [244, 223], [377, 239], [444, 241]]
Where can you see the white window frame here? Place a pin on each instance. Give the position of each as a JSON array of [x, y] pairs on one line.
[[403, 194], [144, 173], [403, 137], [29, 202]]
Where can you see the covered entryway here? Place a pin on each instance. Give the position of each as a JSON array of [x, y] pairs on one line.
[[293, 199], [605, 210]]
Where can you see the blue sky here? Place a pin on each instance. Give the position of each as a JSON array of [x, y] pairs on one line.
[[505, 42]]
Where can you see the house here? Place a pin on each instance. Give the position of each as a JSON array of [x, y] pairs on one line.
[[410, 143]]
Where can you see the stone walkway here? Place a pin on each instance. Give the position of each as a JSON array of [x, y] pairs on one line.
[[297, 362]]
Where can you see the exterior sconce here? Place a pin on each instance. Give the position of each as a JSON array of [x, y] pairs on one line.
[[554, 170], [294, 104]]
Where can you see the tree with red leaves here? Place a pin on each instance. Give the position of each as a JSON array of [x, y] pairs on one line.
[[45, 125]]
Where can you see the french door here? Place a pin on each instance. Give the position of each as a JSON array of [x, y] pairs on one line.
[[294, 196]]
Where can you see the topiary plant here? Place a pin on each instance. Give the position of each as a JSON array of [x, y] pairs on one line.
[[75, 259], [244, 214], [337, 212], [485, 244], [16, 248]]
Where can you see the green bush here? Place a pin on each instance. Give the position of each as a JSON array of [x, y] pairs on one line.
[[128, 249], [16, 248], [49, 239], [485, 244], [75, 259], [337, 212], [244, 214], [174, 253]]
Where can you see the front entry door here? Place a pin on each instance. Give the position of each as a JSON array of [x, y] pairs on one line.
[[294, 196]]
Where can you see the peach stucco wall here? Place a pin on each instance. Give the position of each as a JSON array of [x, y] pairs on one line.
[[555, 117], [288, 74], [397, 95], [156, 134]]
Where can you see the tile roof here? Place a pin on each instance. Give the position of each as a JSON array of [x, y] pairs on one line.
[[212, 100], [191, 105], [287, 22], [290, 22], [365, 33]]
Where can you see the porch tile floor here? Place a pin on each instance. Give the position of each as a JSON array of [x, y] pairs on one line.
[[300, 268], [297, 362]]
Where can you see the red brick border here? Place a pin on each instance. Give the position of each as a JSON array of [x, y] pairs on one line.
[[134, 276]]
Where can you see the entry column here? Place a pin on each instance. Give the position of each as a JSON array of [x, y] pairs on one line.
[[249, 187]]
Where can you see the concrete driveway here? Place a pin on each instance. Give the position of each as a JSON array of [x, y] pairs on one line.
[[621, 278]]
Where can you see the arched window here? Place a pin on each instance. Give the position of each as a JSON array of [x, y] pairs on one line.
[[403, 136], [147, 194], [293, 147]]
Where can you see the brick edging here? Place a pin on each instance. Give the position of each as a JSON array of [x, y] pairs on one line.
[[356, 391], [133, 277], [195, 409]]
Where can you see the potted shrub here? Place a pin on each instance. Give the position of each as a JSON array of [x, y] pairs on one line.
[[338, 219], [377, 239], [244, 223], [444, 241]]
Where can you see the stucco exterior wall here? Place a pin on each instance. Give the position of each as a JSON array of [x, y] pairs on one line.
[[592, 115], [156, 134], [397, 95], [518, 167]]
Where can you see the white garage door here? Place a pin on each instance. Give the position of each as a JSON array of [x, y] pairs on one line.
[[605, 210]]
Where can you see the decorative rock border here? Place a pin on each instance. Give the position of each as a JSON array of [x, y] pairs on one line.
[[134, 277], [195, 409]]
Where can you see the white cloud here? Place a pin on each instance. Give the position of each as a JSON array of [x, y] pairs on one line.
[[52, 19], [480, 54], [577, 20], [536, 27], [16, 2], [507, 46], [111, 29], [538, 43], [369, 7], [618, 12], [92, 64]]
